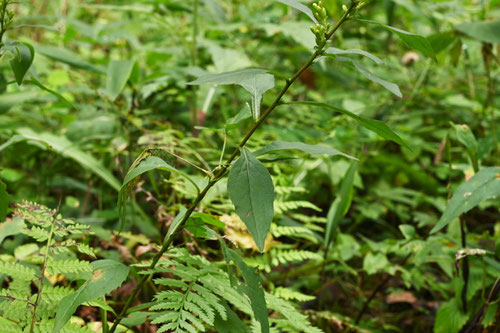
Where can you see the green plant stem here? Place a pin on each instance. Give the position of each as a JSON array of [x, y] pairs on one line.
[[465, 264], [220, 172], [5, 3], [194, 58], [44, 266]]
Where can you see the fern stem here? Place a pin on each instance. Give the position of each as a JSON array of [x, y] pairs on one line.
[[44, 266], [220, 172]]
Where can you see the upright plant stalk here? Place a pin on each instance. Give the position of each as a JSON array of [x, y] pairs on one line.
[[44, 266], [221, 171], [194, 58]]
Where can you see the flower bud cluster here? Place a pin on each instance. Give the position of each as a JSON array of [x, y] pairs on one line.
[[322, 27]]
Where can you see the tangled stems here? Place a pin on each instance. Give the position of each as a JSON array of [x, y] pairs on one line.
[[221, 171]]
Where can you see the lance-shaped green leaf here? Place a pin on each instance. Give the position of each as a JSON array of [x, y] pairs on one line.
[[251, 190], [251, 288], [392, 87], [487, 31], [66, 148], [67, 57], [117, 75], [7, 101], [414, 41], [309, 149], [335, 51], [10, 228], [23, 58], [300, 7], [254, 80], [144, 163], [4, 202], [107, 276], [341, 204], [482, 186], [376, 126]]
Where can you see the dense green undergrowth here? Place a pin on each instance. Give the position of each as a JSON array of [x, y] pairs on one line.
[[249, 166]]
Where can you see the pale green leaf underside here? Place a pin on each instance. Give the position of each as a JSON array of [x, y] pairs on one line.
[[300, 7], [309, 149], [335, 51], [392, 87]]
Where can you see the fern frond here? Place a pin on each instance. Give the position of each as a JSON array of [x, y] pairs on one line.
[[283, 190], [9, 326], [39, 234], [46, 326], [292, 231], [296, 321], [17, 271], [289, 294], [68, 266], [285, 206]]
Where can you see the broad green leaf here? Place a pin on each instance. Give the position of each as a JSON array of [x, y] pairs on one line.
[[175, 225], [450, 317], [482, 186], [466, 137], [136, 170], [335, 51], [66, 148], [233, 77], [310, 149], [341, 204], [10, 228], [442, 40], [414, 41], [392, 87], [257, 86], [4, 202], [251, 288], [376, 126], [255, 81], [67, 57], [23, 58], [487, 31], [117, 76], [375, 263], [107, 276], [208, 219], [251, 190], [300, 7], [7, 101]]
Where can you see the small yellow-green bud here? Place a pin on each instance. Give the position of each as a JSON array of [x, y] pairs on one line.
[[344, 8]]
